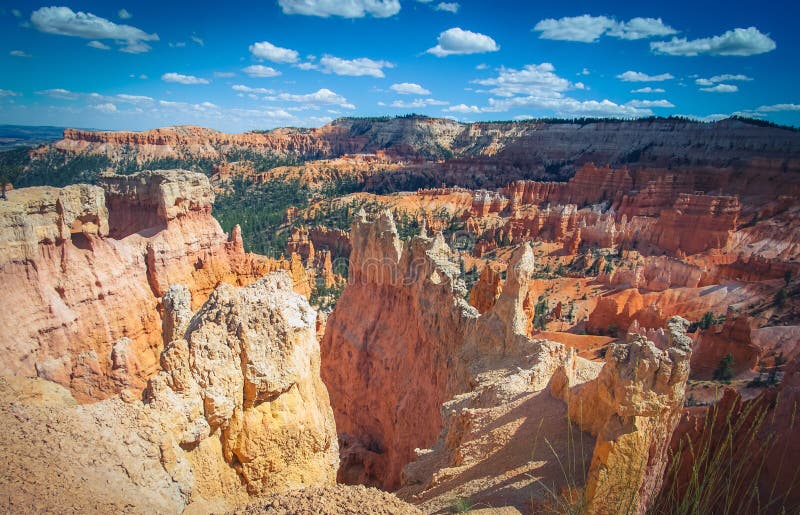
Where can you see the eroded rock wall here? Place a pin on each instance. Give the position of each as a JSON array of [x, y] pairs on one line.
[[84, 268]]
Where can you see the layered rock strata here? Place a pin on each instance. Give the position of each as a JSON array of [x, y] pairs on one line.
[[84, 268]]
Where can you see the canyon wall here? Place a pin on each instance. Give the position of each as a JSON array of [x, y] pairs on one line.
[[401, 318], [84, 268]]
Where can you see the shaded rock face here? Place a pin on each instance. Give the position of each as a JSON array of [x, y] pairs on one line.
[[238, 410], [734, 338], [633, 406], [83, 266], [390, 349], [748, 449]]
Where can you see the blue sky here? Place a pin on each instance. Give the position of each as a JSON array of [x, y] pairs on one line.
[[238, 66]]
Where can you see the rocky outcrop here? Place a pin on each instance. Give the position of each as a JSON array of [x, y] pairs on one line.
[[486, 289], [237, 410], [401, 318], [732, 337], [490, 379], [245, 373], [85, 266], [632, 407]]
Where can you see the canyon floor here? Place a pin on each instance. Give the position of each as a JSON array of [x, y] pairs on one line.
[[401, 316]]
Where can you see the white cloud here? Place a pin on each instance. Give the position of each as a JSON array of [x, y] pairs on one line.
[[523, 117], [354, 67], [60, 93], [16, 13], [98, 45], [481, 66], [457, 41], [588, 29], [648, 89], [324, 96], [463, 109], [248, 89], [307, 66], [451, 7], [64, 21], [779, 107], [641, 28], [722, 88], [534, 79], [632, 76], [343, 8], [741, 42], [418, 103], [183, 79], [650, 103], [8, 93], [198, 40], [106, 108], [727, 77], [258, 70], [123, 14], [276, 54], [585, 71], [19, 53], [409, 88], [134, 99], [224, 75], [565, 106], [585, 29]]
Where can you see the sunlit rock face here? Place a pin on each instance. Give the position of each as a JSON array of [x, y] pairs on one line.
[[84, 269]]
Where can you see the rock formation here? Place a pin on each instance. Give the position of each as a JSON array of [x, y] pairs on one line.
[[245, 373], [397, 321], [483, 369], [85, 266], [632, 407], [238, 410]]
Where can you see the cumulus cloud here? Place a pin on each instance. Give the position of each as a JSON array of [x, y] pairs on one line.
[[457, 41], [354, 67], [19, 53], [641, 28], [632, 76], [276, 54], [224, 75], [65, 22], [123, 14], [183, 79], [343, 8], [740, 42], [261, 71], [650, 103], [565, 106], [323, 96], [8, 93], [463, 109], [727, 77], [409, 88], [106, 108], [588, 29], [648, 89], [451, 7], [98, 45], [248, 89], [533, 79], [418, 103], [722, 88]]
